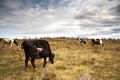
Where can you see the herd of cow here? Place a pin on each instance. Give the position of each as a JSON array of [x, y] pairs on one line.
[[94, 41], [35, 49]]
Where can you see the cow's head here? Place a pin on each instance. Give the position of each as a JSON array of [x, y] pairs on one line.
[[93, 40], [15, 42], [51, 58]]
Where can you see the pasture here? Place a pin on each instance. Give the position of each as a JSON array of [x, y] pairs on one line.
[[73, 61]]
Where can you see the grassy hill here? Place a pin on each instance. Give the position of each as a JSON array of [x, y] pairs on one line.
[[73, 61]]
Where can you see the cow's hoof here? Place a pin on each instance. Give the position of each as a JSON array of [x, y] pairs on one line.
[[36, 69], [26, 69]]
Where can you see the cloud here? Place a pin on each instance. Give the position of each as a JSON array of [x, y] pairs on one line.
[[116, 10], [59, 17]]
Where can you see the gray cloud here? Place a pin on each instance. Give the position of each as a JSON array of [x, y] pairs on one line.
[[86, 15], [115, 10], [60, 17], [114, 0], [116, 30], [108, 23]]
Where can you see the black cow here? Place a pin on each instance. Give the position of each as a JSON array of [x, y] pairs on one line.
[[97, 41], [31, 49]]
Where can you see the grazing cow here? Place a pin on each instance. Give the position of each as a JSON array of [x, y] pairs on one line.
[[97, 42], [10, 41], [81, 40], [36, 49]]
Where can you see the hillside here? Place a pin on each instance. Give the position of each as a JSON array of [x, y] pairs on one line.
[[73, 61]]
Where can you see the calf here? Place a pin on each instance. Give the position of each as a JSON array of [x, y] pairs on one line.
[[97, 42], [36, 49]]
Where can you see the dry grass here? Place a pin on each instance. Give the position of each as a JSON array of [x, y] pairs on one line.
[[73, 61]]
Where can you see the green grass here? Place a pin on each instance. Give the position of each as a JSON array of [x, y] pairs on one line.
[[72, 61]]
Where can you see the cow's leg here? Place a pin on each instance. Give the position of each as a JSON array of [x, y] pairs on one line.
[[11, 42], [44, 62], [26, 62], [33, 62], [102, 44]]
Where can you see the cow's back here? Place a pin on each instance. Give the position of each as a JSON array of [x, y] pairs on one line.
[[29, 48], [42, 44]]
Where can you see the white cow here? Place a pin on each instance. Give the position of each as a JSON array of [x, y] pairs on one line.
[[10, 41]]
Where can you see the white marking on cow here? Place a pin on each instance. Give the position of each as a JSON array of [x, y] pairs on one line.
[[39, 49]]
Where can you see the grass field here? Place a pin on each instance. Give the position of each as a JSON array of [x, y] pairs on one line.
[[73, 61]]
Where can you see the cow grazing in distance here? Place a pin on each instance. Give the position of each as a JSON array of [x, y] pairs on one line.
[[10, 41], [81, 40], [36, 49], [97, 42]]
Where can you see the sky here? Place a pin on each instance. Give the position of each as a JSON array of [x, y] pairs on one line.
[[60, 18]]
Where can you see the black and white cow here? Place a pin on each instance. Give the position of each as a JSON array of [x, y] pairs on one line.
[[36, 49], [10, 41], [81, 40], [97, 42]]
